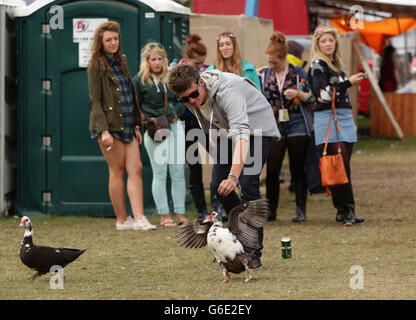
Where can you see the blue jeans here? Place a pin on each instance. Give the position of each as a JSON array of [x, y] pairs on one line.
[[250, 182], [294, 127], [168, 153]]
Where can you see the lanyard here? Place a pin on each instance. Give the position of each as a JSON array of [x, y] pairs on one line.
[[280, 83]]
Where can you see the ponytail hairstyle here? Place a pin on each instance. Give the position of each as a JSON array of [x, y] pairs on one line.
[[236, 60], [194, 47], [277, 45], [97, 57], [336, 64]]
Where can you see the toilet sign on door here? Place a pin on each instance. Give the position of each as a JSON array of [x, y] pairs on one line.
[[84, 29], [83, 34]]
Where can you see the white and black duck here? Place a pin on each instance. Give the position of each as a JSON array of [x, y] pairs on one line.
[[226, 244], [41, 258]]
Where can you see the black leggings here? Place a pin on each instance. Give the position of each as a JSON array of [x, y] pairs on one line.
[[297, 147]]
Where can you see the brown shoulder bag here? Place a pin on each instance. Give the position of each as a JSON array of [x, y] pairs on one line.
[[332, 166], [157, 123]]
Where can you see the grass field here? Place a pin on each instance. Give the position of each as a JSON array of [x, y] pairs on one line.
[[150, 265]]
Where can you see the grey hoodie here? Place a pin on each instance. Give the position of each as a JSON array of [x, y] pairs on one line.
[[238, 106]]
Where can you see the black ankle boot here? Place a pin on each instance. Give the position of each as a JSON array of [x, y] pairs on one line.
[[271, 216], [340, 215], [301, 196], [300, 215], [350, 218]]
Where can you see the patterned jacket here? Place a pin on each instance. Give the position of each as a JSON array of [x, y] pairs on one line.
[[322, 79]]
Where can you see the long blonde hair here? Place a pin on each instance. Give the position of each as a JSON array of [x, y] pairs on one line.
[[236, 60], [336, 64], [97, 57], [145, 72]]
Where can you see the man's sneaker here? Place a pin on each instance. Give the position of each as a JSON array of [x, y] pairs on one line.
[[143, 224], [254, 264], [128, 224]]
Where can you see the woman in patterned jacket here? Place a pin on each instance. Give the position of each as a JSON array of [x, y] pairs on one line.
[[325, 73]]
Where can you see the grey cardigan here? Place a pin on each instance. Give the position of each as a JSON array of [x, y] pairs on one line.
[[238, 106]]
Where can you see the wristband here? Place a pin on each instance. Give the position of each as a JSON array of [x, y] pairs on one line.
[[234, 177]]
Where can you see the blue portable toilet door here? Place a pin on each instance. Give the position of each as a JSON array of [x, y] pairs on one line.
[[77, 174]]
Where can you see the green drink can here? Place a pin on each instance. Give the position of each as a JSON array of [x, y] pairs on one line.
[[286, 248]]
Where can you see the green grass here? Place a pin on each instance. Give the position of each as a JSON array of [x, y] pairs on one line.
[[150, 265]]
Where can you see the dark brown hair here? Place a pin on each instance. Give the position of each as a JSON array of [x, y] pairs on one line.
[[277, 45], [181, 77], [97, 58], [194, 47]]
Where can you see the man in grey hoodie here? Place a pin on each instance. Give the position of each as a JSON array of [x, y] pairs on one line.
[[241, 124]]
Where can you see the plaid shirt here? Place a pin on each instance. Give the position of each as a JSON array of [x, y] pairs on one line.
[[127, 103]]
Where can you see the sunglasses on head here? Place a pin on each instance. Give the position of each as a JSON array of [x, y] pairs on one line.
[[193, 95]]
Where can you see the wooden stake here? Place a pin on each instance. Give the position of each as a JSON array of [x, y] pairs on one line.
[[377, 90]]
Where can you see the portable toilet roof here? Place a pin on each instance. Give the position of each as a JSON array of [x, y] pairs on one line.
[[157, 5]]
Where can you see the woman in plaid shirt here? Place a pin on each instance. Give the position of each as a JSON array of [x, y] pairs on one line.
[[115, 123]]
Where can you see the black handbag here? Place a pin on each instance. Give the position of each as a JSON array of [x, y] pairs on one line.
[[158, 128]]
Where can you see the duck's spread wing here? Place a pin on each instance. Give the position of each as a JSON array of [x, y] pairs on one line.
[[246, 219], [193, 234]]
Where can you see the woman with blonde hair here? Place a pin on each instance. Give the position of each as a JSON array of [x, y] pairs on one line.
[[115, 122], [151, 87], [229, 58], [325, 74], [284, 86]]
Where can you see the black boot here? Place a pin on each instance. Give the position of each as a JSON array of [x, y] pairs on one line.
[[340, 215], [350, 218], [301, 195], [337, 202], [300, 215], [271, 216]]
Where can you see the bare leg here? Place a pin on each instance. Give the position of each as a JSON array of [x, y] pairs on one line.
[[116, 159], [134, 181]]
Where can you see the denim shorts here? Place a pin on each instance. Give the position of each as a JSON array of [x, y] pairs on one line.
[[294, 127]]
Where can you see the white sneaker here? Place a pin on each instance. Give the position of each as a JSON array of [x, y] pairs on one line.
[[128, 224], [143, 224]]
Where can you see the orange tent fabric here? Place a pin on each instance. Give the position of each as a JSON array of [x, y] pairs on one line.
[[374, 34]]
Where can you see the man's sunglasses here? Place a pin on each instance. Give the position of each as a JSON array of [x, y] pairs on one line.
[[193, 95]]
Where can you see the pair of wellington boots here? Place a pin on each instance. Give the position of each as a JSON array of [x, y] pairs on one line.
[[343, 200]]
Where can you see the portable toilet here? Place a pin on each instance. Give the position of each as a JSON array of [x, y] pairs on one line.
[[60, 169], [8, 107]]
